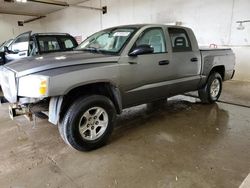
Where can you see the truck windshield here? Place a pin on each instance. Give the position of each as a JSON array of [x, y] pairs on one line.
[[110, 40]]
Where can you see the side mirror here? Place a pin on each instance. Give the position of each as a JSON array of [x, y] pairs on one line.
[[141, 49], [7, 50]]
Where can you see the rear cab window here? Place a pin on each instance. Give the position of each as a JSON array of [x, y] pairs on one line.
[[67, 42], [56, 43], [179, 40], [48, 44]]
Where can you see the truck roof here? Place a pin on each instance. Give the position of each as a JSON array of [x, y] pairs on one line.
[[51, 33], [143, 25]]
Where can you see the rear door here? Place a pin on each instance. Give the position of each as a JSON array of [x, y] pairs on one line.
[[19, 48], [187, 61]]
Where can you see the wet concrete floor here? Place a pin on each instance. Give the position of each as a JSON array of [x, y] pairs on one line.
[[178, 144]]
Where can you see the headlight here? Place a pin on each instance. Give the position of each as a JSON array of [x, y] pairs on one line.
[[34, 86]]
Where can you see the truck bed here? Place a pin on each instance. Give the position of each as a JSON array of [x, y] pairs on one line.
[[212, 57], [213, 49]]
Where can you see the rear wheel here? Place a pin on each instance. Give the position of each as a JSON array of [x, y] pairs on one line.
[[88, 123], [210, 93]]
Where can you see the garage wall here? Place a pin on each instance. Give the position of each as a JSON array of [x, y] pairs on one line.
[[213, 21], [10, 29], [76, 21]]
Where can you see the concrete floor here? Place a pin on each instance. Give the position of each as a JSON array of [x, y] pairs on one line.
[[181, 144]]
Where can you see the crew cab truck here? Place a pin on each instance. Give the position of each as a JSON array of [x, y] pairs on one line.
[[28, 44], [83, 91]]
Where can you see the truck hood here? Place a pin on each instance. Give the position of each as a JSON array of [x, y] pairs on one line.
[[40, 63]]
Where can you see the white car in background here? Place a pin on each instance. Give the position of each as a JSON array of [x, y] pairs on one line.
[[27, 44]]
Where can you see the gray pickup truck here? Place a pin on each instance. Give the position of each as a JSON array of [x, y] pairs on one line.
[[83, 91]]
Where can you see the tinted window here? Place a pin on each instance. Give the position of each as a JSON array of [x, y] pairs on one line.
[[48, 44], [155, 38], [179, 40], [67, 42]]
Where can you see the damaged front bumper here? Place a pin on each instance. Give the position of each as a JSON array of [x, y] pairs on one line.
[[17, 110], [51, 105]]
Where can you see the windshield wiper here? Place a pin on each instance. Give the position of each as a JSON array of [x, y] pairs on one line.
[[94, 50]]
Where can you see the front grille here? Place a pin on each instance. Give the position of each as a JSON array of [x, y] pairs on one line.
[[8, 84]]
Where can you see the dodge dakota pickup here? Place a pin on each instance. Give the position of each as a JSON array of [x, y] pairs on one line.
[[82, 91]]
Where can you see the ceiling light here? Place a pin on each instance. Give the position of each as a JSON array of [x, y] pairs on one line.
[[21, 1], [241, 26]]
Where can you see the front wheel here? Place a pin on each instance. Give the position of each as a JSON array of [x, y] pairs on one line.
[[210, 93], [88, 123]]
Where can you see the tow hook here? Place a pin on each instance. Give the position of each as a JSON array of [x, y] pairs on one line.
[[15, 110]]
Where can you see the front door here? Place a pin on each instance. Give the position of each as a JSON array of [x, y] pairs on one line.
[[143, 77], [19, 48]]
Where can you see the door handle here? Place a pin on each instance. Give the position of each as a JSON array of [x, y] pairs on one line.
[[164, 62], [194, 59]]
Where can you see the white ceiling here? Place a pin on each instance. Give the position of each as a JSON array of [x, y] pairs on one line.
[[33, 8]]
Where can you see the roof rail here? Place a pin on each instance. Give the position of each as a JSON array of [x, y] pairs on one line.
[[51, 33]]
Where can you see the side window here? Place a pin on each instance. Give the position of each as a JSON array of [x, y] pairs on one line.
[[155, 38], [21, 43], [67, 42], [179, 40], [48, 44]]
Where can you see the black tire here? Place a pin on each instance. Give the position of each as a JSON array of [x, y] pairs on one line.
[[69, 126], [205, 94]]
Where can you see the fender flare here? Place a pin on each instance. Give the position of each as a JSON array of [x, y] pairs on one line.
[[56, 103]]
